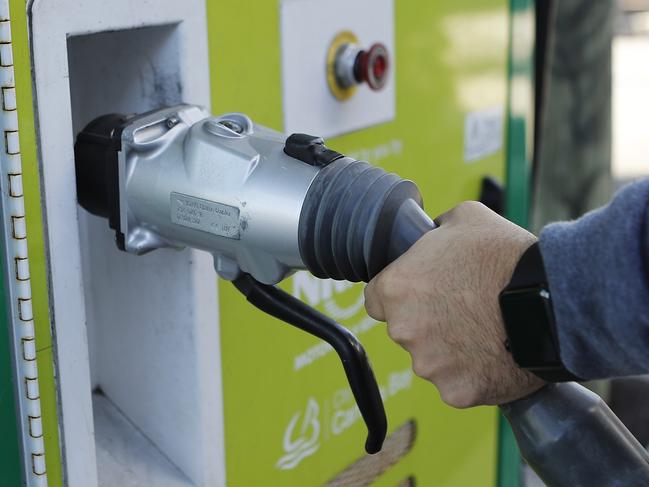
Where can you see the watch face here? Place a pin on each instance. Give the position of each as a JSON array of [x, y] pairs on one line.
[[528, 318]]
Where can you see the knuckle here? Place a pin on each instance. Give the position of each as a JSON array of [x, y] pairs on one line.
[[372, 311], [421, 368], [471, 205], [459, 397], [389, 285], [402, 334], [372, 291], [468, 212], [369, 291], [384, 284], [394, 333], [450, 398], [369, 296], [373, 303], [467, 208]]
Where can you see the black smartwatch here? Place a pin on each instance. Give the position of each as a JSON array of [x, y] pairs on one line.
[[526, 307]]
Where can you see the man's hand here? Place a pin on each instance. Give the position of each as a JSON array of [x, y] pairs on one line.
[[440, 301]]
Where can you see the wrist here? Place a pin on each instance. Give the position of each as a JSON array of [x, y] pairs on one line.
[[528, 316]]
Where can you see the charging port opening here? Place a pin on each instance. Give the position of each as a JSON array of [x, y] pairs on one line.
[[142, 332]]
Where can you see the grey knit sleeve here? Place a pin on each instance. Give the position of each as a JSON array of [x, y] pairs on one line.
[[598, 273]]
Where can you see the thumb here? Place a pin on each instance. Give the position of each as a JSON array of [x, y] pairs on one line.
[[464, 212]]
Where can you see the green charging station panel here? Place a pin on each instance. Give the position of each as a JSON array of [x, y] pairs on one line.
[[290, 418], [461, 112]]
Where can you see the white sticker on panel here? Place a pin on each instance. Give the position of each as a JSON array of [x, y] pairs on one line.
[[483, 133]]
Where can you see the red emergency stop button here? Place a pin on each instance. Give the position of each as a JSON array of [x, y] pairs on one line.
[[372, 66], [349, 65]]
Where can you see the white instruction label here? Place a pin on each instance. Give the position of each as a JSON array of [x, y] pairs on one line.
[[483, 133], [205, 215]]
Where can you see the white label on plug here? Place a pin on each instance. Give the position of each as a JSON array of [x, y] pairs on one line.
[[205, 215], [483, 133]]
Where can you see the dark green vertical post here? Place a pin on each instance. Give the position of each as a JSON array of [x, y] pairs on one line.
[[520, 110], [10, 452]]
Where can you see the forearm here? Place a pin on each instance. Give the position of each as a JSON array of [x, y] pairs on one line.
[[598, 273]]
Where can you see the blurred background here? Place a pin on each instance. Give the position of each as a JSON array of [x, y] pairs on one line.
[[591, 132], [630, 55]]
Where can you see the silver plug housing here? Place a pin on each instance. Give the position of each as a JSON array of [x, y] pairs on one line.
[[221, 184], [261, 203]]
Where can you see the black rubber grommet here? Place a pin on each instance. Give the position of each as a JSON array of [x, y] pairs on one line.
[[364, 220], [347, 218], [341, 227]]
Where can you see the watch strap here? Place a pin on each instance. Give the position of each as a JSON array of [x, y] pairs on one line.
[[530, 273]]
